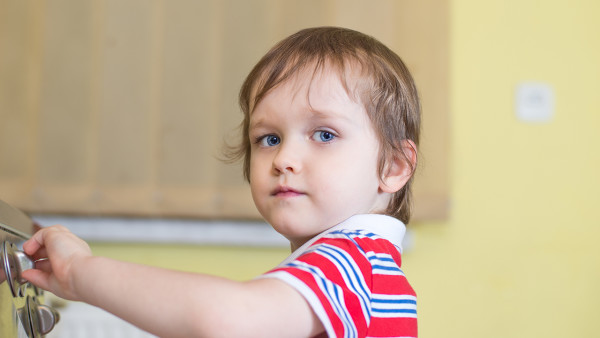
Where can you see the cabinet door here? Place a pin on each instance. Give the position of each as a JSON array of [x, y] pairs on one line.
[[122, 107]]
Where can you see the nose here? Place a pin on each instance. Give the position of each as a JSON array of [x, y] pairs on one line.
[[288, 159]]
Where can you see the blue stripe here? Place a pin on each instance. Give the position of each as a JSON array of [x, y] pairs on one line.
[[350, 233], [335, 300], [343, 233], [383, 259], [360, 288], [394, 301], [389, 268], [395, 311], [338, 305]]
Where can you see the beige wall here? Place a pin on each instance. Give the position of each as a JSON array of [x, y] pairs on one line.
[[519, 255], [122, 107]]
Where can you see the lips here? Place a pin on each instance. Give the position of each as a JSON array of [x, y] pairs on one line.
[[283, 191]]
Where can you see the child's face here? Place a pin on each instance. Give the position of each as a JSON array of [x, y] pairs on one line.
[[313, 164]]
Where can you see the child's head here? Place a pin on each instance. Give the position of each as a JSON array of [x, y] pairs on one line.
[[371, 74]]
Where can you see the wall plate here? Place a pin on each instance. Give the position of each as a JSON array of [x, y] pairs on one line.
[[534, 102]]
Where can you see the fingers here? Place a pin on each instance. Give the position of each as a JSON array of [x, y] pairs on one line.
[[54, 249], [35, 245], [38, 278], [39, 254], [31, 246], [46, 281], [44, 265]]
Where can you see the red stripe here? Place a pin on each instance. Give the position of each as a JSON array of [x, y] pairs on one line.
[[392, 285], [393, 327]]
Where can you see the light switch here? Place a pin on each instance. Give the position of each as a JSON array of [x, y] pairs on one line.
[[534, 102]]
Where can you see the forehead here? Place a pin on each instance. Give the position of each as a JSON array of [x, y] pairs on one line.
[[309, 96], [351, 72], [316, 80], [320, 87]]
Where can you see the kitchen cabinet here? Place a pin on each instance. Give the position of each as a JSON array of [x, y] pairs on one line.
[[122, 107]]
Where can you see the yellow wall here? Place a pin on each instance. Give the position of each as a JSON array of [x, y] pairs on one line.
[[238, 263], [518, 257]]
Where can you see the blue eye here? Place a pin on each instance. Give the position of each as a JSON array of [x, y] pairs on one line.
[[270, 140], [324, 136]]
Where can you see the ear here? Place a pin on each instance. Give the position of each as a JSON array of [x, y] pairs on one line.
[[399, 169]]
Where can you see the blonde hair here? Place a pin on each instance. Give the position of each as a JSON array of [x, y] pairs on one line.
[[386, 88]]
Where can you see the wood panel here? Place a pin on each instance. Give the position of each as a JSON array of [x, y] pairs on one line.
[[122, 107]]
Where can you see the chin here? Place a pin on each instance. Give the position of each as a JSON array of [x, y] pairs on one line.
[[293, 232]]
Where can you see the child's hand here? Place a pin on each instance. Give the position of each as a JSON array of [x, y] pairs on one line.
[[57, 253]]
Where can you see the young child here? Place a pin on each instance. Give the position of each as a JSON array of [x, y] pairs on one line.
[[331, 127]]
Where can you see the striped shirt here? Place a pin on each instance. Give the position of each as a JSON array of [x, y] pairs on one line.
[[351, 277]]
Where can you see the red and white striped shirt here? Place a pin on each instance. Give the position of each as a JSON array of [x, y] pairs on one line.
[[351, 277]]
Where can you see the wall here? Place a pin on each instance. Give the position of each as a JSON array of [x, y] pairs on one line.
[[116, 107], [517, 257]]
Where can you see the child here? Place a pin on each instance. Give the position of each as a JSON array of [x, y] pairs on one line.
[[331, 127]]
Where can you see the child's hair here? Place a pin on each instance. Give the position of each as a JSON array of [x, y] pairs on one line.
[[385, 87]]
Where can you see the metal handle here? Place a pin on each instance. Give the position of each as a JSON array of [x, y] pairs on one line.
[[37, 319], [14, 263], [47, 318]]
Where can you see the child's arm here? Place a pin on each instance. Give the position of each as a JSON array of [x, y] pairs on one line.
[[167, 303]]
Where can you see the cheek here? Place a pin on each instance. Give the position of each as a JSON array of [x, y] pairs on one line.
[[361, 175], [253, 174], [345, 175], [258, 173], [256, 189]]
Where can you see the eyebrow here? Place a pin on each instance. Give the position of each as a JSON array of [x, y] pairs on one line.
[[324, 114], [314, 115], [327, 115], [258, 124]]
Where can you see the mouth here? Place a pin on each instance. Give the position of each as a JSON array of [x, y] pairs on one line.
[[283, 191]]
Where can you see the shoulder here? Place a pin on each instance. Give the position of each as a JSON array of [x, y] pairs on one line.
[[353, 282], [360, 243], [345, 255]]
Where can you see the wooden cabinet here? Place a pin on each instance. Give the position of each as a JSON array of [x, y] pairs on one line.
[[122, 106]]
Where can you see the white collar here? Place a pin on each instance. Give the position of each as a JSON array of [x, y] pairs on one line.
[[384, 226]]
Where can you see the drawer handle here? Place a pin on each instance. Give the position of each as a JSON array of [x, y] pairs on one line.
[[14, 262]]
